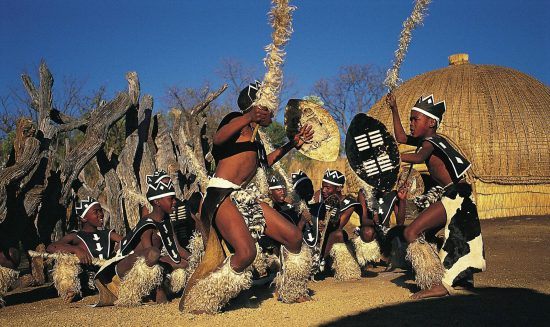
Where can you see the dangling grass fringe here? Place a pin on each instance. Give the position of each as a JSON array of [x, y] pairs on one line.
[[415, 19], [426, 263]]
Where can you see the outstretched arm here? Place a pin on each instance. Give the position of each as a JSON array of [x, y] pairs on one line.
[[398, 130], [67, 244], [304, 135]]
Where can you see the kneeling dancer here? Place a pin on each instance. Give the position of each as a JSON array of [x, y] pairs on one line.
[[231, 210], [147, 253], [336, 242], [76, 251]]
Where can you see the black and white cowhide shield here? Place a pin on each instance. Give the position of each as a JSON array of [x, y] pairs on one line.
[[372, 152]]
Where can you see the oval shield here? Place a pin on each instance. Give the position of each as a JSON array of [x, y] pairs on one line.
[[372, 152], [325, 145]]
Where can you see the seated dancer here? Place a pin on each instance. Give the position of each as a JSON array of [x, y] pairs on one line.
[[374, 241], [230, 209], [9, 262], [147, 251], [278, 195], [91, 241], [462, 252], [340, 208], [313, 223]]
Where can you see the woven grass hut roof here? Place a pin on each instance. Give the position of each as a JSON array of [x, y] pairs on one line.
[[497, 116]]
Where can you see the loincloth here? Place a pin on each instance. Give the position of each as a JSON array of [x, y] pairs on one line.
[[244, 199]]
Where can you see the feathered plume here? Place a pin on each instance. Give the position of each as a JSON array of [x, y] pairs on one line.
[[280, 18], [417, 16]]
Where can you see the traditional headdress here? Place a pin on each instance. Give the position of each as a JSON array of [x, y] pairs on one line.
[[156, 188], [428, 108], [275, 183], [299, 177], [334, 177], [248, 96], [82, 206]]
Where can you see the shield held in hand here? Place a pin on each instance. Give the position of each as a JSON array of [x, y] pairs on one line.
[[325, 145], [372, 152]]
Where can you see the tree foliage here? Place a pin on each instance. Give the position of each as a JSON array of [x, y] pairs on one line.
[[353, 90]]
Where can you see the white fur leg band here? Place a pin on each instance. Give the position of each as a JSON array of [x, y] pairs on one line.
[[178, 278], [343, 263], [138, 282], [196, 248], [291, 281], [366, 251], [65, 276], [425, 262], [260, 262], [211, 293], [7, 278]]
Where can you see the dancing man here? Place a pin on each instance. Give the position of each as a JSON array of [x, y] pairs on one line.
[[230, 209], [462, 252]]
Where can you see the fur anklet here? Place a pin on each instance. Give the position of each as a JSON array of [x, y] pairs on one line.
[[343, 263], [291, 281], [138, 282], [211, 293], [65, 276], [366, 251], [425, 262]]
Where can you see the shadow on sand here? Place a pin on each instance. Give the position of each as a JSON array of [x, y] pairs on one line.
[[489, 307], [30, 295]]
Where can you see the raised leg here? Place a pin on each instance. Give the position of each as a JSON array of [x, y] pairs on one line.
[[281, 230], [234, 231]]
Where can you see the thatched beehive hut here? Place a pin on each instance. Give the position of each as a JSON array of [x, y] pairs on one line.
[[500, 119]]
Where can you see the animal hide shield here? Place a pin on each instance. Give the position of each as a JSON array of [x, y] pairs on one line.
[[372, 152]]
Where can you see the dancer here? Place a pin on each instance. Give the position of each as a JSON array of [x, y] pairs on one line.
[[336, 241], [91, 241], [147, 254], [230, 209], [462, 252]]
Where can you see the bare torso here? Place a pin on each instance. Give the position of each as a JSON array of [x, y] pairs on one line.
[[241, 167], [438, 170]]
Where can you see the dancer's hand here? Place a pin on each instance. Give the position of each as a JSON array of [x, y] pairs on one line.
[[260, 115], [403, 191], [83, 255], [305, 135], [390, 101]]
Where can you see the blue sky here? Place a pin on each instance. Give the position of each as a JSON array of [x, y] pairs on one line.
[[183, 42]]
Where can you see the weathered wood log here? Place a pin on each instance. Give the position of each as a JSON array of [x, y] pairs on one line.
[[101, 119], [112, 192], [165, 157], [130, 156], [198, 108], [187, 136]]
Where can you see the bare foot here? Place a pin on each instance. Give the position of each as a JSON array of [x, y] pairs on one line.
[[303, 299], [69, 297], [435, 291], [160, 296]]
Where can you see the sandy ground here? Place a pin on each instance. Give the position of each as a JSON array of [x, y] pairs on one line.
[[515, 290]]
